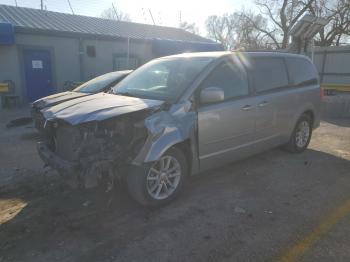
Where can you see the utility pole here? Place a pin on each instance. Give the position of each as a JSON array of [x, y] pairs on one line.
[[116, 13], [42, 4], [144, 14]]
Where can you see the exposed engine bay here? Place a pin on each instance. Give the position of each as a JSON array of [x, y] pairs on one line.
[[99, 149]]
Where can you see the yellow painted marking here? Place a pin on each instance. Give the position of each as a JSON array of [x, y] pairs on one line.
[[338, 87], [301, 247]]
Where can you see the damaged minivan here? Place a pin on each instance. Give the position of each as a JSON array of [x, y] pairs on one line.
[[180, 115]]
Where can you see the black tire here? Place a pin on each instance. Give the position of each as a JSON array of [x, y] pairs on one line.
[[137, 181], [292, 145]]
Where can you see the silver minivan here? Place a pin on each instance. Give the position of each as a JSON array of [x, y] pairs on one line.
[[180, 115]]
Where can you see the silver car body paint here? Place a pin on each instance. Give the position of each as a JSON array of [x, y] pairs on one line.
[[224, 132], [57, 98], [97, 107], [217, 133]]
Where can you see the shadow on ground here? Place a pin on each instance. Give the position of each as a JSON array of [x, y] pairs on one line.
[[279, 195], [343, 122]]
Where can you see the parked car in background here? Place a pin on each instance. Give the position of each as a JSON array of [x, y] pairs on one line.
[[181, 115], [98, 84]]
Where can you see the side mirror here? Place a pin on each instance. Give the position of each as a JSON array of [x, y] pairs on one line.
[[211, 95]]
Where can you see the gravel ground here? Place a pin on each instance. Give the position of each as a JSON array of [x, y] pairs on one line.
[[273, 206]]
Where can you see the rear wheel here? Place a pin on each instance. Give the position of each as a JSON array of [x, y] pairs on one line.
[[301, 135], [160, 182]]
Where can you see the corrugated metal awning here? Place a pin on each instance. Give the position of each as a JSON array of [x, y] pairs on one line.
[[41, 21]]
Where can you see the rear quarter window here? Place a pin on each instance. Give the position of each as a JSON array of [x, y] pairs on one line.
[[269, 73], [301, 72]]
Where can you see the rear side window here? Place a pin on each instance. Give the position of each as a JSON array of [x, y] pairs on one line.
[[269, 73], [301, 72], [229, 77]]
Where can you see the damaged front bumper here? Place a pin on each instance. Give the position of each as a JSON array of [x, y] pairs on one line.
[[109, 148], [38, 119], [51, 159]]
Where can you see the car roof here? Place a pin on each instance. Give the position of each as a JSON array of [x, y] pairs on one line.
[[199, 54], [273, 54], [229, 53], [122, 72]]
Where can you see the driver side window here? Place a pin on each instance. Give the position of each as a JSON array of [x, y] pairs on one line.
[[230, 78]]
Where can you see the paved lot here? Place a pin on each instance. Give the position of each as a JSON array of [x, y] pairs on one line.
[[273, 206]]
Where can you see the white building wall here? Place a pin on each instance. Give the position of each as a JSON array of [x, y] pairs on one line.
[[9, 65], [65, 58], [107, 50]]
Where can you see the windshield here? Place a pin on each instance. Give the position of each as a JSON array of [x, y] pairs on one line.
[[162, 79], [99, 83]]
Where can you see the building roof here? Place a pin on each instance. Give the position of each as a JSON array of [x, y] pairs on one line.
[[40, 21]]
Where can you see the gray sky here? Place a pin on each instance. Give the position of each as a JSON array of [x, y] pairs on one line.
[[165, 13]]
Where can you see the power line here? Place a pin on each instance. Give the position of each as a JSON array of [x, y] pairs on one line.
[[151, 16], [70, 6]]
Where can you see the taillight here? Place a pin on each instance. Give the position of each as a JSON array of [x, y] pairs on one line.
[[321, 93]]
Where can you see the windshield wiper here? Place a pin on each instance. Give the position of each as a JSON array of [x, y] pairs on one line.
[[125, 94]]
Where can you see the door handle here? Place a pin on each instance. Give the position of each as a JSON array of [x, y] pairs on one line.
[[246, 108], [263, 103]]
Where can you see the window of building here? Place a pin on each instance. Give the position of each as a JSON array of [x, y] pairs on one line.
[[269, 73], [91, 51]]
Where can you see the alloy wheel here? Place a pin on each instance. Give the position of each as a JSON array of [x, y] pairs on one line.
[[163, 177]]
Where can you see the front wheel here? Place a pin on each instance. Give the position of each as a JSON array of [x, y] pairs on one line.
[[301, 135], [160, 182]]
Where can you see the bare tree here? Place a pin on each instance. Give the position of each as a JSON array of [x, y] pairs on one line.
[[282, 16], [114, 14], [338, 14], [236, 30], [190, 27], [276, 18], [221, 29], [247, 36]]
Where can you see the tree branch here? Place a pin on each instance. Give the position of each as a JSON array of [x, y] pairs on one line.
[[270, 14], [301, 12], [270, 34]]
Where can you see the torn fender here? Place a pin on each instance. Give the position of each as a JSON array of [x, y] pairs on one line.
[[167, 128]]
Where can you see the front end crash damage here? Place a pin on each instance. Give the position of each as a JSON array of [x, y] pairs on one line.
[[93, 152], [169, 128], [99, 152]]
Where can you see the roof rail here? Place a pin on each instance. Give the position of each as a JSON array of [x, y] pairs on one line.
[[261, 50]]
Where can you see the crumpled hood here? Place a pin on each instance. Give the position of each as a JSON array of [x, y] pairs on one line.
[[97, 107], [56, 99]]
